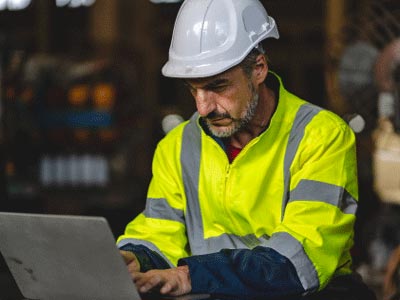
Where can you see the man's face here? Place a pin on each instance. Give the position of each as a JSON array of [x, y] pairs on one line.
[[227, 102]]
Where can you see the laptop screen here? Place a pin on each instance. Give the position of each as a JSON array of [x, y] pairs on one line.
[[64, 257]]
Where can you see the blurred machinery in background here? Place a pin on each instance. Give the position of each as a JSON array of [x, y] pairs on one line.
[[386, 164], [76, 135], [165, 1], [368, 73], [66, 116], [15, 5], [387, 133]]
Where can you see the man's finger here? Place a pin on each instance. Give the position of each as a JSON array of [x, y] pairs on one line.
[[128, 256], [131, 260], [147, 283], [166, 288], [136, 276], [133, 267]]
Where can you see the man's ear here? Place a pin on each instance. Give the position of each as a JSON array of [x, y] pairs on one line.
[[260, 70]]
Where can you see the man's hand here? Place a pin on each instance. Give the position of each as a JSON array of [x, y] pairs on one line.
[[174, 282], [131, 261]]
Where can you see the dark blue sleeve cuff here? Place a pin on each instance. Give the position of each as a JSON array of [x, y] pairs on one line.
[[258, 273], [148, 259]]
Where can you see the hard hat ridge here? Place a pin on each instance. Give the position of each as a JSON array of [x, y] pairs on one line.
[[211, 36]]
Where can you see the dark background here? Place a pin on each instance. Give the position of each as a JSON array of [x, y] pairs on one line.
[[54, 62]]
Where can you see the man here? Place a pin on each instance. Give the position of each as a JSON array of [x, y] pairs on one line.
[[255, 196]]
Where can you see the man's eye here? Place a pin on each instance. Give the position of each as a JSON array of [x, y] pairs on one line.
[[219, 88]]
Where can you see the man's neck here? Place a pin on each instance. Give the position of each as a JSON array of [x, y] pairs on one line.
[[265, 109]]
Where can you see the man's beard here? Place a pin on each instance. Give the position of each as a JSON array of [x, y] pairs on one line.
[[237, 124]]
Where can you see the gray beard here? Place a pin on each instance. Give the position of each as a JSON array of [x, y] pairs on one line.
[[239, 124]]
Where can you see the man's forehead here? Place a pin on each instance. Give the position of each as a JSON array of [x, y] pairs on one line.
[[224, 76]]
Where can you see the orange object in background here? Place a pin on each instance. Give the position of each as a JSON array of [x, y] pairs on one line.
[[10, 168], [107, 135], [27, 95], [81, 135], [104, 96], [78, 95]]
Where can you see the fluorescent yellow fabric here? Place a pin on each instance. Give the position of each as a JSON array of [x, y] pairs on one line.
[[246, 197]]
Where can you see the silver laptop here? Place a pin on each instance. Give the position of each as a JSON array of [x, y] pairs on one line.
[[64, 257], [58, 257]]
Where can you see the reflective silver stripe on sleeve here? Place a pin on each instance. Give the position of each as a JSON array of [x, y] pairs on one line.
[[160, 209], [231, 241], [190, 162], [292, 249], [148, 244], [303, 117], [311, 190]]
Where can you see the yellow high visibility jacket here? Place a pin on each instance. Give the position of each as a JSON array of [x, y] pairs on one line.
[[293, 189]]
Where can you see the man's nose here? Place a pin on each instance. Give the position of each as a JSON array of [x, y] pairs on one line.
[[205, 102]]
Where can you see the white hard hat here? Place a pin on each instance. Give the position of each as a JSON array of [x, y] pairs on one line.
[[211, 36]]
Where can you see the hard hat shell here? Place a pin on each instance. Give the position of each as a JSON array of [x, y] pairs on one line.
[[211, 36]]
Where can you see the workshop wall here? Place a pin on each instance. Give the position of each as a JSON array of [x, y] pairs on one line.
[[82, 97]]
